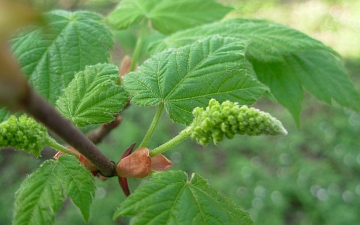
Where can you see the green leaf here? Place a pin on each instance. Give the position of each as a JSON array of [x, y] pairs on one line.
[[78, 183], [40, 196], [284, 86], [50, 56], [93, 96], [321, 73], [190, 76], [284, 59], [267, 41], [174, 198], [167, 16]]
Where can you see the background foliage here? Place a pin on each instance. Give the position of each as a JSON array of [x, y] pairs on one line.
[[307, 177]]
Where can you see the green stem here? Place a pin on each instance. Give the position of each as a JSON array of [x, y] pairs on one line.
[[138, 47], [53, 144], [171, 143], [153, 124]]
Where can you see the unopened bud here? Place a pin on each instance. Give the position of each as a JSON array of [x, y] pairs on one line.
[[137, 164]]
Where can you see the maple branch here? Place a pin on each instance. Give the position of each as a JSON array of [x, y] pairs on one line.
[[17, 95], [35, 105]]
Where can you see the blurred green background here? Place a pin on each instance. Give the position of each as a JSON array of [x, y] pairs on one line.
[[311, 176]]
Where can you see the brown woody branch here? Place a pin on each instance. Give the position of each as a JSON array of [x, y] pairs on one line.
[[17, 95], [36, 106]]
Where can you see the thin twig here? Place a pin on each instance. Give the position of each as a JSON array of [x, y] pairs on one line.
[[97, 135]]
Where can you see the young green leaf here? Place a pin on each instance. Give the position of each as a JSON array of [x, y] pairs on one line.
[[50, 56], [40, 196], [93, 96], [319, 72], [324, 76], [267, 41], [190, 76], [78, 183], [284, 86], [174, 198], [167, 16], [284, 59]]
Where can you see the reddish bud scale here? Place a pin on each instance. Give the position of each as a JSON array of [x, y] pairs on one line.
[[136, 165], [160, 163], [88, 165]]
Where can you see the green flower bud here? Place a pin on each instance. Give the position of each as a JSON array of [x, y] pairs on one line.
[[227, 119], [23, 133]]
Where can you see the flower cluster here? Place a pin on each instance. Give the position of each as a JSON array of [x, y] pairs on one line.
[[227, 119], [23, 133]]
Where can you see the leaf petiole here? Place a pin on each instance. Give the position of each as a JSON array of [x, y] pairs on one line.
[[153, 124], [138, 47]]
